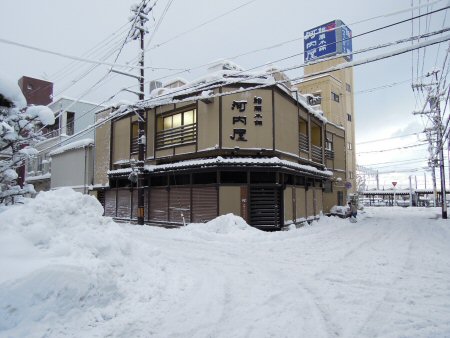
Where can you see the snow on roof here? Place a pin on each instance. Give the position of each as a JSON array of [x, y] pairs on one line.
[[71, 99], [12, 92], [217, 77], [175, 80], [38, 177], [120, 171], [243, 161], [87, 142]]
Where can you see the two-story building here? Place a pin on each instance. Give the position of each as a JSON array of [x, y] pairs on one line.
[[71, 118], [233, 142]]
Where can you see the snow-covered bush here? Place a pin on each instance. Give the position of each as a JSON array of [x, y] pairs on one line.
[[17, 137]]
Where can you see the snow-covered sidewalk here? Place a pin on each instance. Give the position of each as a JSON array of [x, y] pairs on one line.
[[68, 271]]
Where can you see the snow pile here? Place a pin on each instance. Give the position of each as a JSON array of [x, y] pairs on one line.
[[69, 272], [73, 258], [223, 228]]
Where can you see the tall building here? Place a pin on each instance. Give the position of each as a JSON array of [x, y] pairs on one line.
[[327, 46]]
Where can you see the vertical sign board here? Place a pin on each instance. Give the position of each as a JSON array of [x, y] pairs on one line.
[[346, 41], [327, 40], [320, 41]]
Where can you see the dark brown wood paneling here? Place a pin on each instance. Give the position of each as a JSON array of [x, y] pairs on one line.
[[204, 204], [124, 203], [180, 204], [265, 207], [146, 193], [110, 202], [159, 199], [134, 204]]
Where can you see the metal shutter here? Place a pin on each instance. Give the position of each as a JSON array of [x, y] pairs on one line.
[[204, 204], [110, 203], [180, 204], [124, 203], [158, 210]]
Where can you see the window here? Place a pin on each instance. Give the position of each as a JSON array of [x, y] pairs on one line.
[[29, 86], [349, 118], [349, 146], [303, 136], [70, 123], [175, 129], [134, 142], [335, 96], [350, 174], [329, 153], [348, 87]]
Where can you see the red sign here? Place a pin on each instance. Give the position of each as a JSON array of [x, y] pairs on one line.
[[394, 183]]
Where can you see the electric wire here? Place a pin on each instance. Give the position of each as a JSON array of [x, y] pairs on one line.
[[343, 66]]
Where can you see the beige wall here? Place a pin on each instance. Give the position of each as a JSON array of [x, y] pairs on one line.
[[286, 124], [229, 200], [102, 149], [310, 202], [336, 112], [208, 123], [319, 200], [121, 140], [301, 202], [257, 136], [288, 207]]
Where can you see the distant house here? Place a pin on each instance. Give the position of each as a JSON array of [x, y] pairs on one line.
[[73, 165], [233, 142], [72, 117]]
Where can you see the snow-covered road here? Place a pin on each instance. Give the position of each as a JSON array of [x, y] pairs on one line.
[[386, 276]]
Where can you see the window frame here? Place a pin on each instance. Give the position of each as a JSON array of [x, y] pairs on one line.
[[180, 135]]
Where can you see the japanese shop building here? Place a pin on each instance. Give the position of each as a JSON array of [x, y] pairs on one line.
[[239, 144]]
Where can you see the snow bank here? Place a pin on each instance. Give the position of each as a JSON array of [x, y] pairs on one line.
[[223, 228], [69, 272], [74, 253]]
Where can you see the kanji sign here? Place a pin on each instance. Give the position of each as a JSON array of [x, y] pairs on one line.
[[326, 40]]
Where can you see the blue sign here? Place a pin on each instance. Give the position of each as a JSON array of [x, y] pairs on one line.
[[320, 41], [347, 42], [329, 39]]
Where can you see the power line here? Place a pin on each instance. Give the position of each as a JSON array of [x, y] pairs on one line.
[[294, 40], [342, 66], [397, 148], [388, 138]]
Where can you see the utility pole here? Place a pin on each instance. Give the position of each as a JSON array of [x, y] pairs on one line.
[[435, 105], [142, 12], [432, 165], [138, 32]]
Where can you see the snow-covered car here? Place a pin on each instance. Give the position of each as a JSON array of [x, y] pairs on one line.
[[339, 210]]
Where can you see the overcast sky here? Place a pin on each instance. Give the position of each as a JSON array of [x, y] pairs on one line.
[[195, 32]]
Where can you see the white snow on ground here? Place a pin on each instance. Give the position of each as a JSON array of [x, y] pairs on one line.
[[69, 272]]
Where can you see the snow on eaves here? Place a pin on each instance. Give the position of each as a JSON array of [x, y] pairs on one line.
[[38, 177], [214, 79], [87, 142], [242, 161]]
